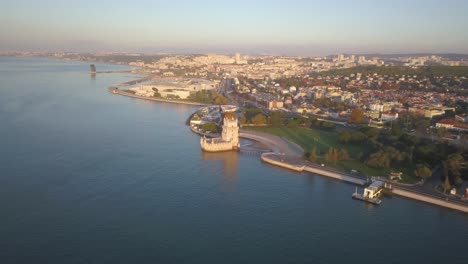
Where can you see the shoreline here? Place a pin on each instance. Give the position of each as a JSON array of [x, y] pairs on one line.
[[286, 149], [397, 190], [115, 90], [297, 163]]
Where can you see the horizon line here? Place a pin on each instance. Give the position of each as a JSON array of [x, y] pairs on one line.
[[233, 53]]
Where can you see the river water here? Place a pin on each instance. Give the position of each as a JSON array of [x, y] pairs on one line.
[[91, 177]]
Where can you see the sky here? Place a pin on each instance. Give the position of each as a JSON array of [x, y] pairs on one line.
[[290, 27]]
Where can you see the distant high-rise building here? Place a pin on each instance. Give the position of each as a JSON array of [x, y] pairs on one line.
[[352, 58], [238, 58], [362, 59]]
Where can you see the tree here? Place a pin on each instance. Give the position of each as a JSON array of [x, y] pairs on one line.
[[243, 120], [210, 127], [421, 124], [332, 155], [203, 96], [335, 155], [447, 186], [357, 116], [219, 99], [313, 155], [259, 119], [358, 137], [343, 154], [344, 137], [454, 164], [293, 123], [329, 156], [275, 119], [372, 132], [423, 171], [380, 159], [250, 113]]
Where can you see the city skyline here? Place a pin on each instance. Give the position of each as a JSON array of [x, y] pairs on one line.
[[305, 28]]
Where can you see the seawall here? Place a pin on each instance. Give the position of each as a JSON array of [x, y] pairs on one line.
[[271, 158], [411, 194], [335, 175], [265, 157], [428, 199]]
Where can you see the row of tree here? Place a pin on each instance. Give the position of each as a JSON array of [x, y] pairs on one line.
[[209, 97], [333, 155], [256, 116], [352, 137], [401, 70], [395, 147]]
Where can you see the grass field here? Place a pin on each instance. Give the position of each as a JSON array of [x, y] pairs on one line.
[[323, 140]]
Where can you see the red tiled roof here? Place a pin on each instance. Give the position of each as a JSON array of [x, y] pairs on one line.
[[447, 121]]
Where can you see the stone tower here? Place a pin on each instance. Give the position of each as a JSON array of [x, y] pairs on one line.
[[230, 130], [229, 139]]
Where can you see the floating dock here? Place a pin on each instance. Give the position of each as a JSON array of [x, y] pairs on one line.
[[371, 193]]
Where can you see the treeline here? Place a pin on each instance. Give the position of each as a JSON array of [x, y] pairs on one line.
[[395, 148], [209, 97], [401, 70], [255, 116], [293, 81], [333, 155]]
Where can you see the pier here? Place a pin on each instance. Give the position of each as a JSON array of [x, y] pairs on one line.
[[133, 82]]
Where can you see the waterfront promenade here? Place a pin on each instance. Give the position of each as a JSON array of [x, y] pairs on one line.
[[288, 155]]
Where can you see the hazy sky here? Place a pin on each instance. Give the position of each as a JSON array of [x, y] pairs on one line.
[[282, 27]]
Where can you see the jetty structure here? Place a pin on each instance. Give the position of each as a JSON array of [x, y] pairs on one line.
[[371, 193], [229, 139]]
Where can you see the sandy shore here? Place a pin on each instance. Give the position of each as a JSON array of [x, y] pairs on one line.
[[275, 143]]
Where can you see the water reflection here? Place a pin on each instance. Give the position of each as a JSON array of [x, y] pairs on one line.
[[230, 160]]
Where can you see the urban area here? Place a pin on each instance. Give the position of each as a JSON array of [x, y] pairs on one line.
[[403, 118]]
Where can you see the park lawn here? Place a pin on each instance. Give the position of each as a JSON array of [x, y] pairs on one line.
[[361, 168], [310, 138], [408, 173], [323, 140]]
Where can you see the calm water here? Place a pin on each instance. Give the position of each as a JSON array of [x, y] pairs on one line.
[[90, 177]]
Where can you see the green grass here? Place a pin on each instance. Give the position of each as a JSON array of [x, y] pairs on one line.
[[323, 140], [310, 138]]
